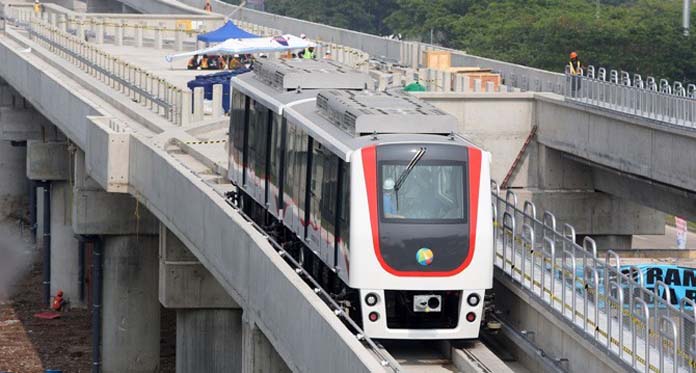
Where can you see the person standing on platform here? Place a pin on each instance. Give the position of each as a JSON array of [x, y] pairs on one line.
[[575, 72]]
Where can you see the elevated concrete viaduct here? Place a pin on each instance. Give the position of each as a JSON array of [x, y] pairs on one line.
[[114, 174]]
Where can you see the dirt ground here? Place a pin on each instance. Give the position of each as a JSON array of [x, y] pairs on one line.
[[29, 344]]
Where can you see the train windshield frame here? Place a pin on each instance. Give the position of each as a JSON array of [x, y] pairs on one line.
[[429, 184]]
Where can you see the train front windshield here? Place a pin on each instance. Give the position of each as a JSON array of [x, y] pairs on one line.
[[426, 192]]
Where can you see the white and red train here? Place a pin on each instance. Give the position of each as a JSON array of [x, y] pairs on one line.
[[372, 192]]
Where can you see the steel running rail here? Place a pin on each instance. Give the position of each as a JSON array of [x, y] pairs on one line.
[[597, 297]]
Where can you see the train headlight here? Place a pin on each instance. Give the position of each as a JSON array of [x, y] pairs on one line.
[[371, 299], [473, 299], [373, 316]]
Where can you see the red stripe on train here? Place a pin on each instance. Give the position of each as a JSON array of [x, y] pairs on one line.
[[369, 158]]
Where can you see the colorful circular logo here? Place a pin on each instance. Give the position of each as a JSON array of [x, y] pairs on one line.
[[424, 256]]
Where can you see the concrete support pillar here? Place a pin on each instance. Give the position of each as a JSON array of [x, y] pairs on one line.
[[217, 100], [131, 310], [139, 35], [53, 19], [62, 22], [208, 340], [65, 266], [158, 35], [198, 104], [258, 353], [179, 38], [99, 30], [118, 39]]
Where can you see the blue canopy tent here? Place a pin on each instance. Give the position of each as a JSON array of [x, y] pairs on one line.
[[228, 31]]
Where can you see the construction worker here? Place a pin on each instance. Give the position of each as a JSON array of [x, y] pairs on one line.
[[208, 7], [575, 72], [308, 53], [37, 8], [574, 64], [235, 63], [58, 301], [193, 63], [204, 63]]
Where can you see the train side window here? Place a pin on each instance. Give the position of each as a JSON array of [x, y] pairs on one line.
[[344, 215], [329, 193], [237, 121], [276, 145], [260, 124]]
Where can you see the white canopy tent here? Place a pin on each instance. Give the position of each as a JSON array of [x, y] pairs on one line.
[[252, 45]]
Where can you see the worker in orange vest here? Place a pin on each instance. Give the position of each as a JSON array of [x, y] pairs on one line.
[[58, 301], [575, 72], [208, 7]]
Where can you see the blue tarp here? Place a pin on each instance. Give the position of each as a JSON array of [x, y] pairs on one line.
[[207, 82], [228, 31]]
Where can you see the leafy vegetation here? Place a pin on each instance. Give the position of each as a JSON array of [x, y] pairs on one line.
[[639, 36]]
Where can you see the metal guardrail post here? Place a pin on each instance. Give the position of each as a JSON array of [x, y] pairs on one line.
[[642, 318], [668, 329]]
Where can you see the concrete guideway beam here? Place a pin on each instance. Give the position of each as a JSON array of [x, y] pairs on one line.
[[629, 144], [245, 264]]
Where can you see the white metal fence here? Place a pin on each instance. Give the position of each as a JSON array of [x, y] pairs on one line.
[[598, 299]]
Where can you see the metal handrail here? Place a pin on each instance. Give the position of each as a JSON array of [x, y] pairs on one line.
[[599, 297]]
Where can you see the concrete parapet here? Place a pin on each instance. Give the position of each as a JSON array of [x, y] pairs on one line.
[[47, 160], [208, 340], [183, 281]]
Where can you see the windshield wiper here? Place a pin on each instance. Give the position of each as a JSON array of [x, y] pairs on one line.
[[402, 178]]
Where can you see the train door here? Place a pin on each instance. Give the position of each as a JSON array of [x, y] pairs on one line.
[[329, 207], [342, 251], [313, 237], [275, 164], [258, 142], [290, 207]]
